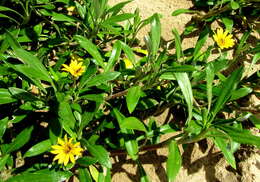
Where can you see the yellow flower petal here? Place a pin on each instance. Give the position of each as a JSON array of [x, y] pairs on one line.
[[66, 159], [66, 151], [66, 139], [70, 140], [223, 39], [60, 141], [128, 63], [57, 147], [55, 151], [76, 144], [72, 159], [59, 156], [61, 160], [75, 69]]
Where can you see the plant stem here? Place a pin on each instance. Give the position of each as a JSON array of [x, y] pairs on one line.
[[165, 143], [119, 94]]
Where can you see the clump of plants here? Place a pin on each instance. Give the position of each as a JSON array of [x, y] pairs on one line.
[[76, 90]]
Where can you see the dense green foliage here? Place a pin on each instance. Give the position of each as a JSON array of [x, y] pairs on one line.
[[110, 106]]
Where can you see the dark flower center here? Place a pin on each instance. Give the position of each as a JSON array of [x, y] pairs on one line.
[[67, 149]]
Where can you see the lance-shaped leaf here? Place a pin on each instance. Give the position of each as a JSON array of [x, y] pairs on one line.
[[132, 97], [185, 85], [91, 48], [42, 176], [174, 161], [99, 152], [130, 143], [20, 140], [38, 148], [5, 96], [227, 87], [133, 123], [240, 135], [155, 34]]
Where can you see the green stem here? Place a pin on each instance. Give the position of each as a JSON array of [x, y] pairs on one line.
[[181, 141]]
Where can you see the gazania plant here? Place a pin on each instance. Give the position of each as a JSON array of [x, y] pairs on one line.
[[77, 89]]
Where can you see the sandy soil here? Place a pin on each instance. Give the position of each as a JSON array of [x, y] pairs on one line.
[[203, 162]]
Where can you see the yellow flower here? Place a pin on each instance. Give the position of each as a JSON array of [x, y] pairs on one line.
[[223, 39], [66, 151], [75, 57], [142, 51], [71, 10], [128, 63], [74, 68]]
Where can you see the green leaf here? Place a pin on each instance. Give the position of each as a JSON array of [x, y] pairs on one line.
[[30, 73], [91, 48], [66, 117], [133, 123], [99, 152], [86, 161], [242, 42], [116, 52], [81, 9], [185, 85], [255, 119], [86, 118], [210, 73], [32, 65], [45, 175], [84, 175], [6, 97], [179, 52], [256, 58], [241, 136], [129, 53], [3, 161], [94, 97], [38, 148], [62, 17], [194, 127], [201, 41], [101, 177], [28, 59], [234, 5], [21, 139], [3, 8], [228, 86], [155, 33], [107, 173], [8, 17], [228, 23], [102, 78], [118, 7], [174, 161], [4, 70], [239, 93], [228, 154], [181, 11], [99, 7], [3, 125], [94, 173], [90, 72], [143, 175], [130, 143], [22, 94], [182, 68], [132, 97], [118, 18]]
